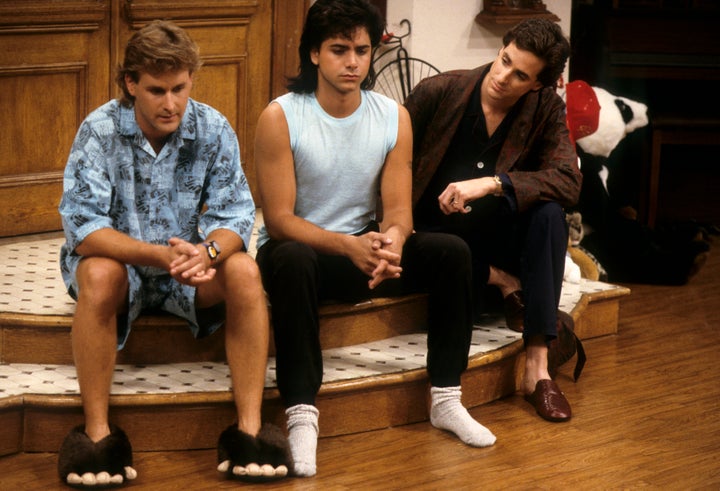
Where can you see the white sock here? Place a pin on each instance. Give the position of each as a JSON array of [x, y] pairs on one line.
[[302, 424], [448, 413]]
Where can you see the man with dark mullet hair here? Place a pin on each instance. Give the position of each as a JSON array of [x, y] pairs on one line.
[[324, 154]]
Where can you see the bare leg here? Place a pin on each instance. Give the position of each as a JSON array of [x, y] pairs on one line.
[[536, 350], [536, 363], [103, 288], [246, 337], [247, 328], [506, 282], [539, 389], [547, 398], [102, 295]]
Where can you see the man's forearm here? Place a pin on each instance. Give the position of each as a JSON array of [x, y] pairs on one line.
[[113, 244]]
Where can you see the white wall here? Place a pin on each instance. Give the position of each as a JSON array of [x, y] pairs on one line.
[[444, 32]]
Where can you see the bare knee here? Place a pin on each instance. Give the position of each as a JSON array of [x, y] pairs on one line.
[[238, 283], [241, 280], [102, 282]]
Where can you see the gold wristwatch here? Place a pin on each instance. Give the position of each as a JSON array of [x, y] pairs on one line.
[[213, 249], [498, 186]]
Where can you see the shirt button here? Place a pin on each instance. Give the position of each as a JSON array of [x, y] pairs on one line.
[[480, 165]]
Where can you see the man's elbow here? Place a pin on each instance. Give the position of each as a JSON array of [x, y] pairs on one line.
[[274, 228], [574, 189]]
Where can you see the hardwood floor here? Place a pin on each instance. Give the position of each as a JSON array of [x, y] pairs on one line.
[[646, 415]]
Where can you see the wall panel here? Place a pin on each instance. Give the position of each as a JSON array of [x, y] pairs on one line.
[[53, 71], [58, 61]]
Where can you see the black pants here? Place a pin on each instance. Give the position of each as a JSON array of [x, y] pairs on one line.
[[532, 246], [297, 279]]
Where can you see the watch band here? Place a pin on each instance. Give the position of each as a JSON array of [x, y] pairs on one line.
[[498, 186]]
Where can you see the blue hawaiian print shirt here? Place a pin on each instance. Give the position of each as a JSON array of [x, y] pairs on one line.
[[114, 179]]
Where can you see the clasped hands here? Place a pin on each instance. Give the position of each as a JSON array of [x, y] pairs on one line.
[[188, 264], [377, 255]]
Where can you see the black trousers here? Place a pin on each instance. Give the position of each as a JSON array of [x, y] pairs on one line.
[[531, 245], [297, 279]]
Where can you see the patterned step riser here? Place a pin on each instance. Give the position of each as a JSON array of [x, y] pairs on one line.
[[359, 402], [46, 339], [385, 358], [195, 421], [374, 365]]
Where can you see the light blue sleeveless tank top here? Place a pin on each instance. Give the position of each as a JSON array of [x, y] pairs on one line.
[[338, 161]]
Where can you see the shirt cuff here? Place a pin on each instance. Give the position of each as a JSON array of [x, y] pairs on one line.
[[508, 191]]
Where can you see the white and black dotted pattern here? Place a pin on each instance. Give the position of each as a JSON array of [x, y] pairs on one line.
[[393, 355], [30, 282]]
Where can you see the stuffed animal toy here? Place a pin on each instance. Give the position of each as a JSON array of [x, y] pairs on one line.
[[618, 116], [572, 272], [628, 251]]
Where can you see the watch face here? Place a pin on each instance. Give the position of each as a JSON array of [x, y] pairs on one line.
[[213, 250]]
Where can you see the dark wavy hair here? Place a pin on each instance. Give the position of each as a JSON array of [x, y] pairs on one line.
[[331, 18], [545, 40], [159, 47]]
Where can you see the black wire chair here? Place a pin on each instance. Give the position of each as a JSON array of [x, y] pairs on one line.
[[396, 76]]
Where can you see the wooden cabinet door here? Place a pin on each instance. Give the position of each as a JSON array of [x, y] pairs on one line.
[[58, 62], [235, 40], [53, 70]]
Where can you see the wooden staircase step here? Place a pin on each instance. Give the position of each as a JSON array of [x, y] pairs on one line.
[[179, 406], [33, 421], [35, 317], [30, 338]]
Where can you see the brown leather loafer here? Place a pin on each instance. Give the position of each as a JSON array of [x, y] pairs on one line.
[[549, 401], [514, 308]]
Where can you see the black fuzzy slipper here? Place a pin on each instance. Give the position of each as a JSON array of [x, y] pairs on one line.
[[79, 455], [265, 457]]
